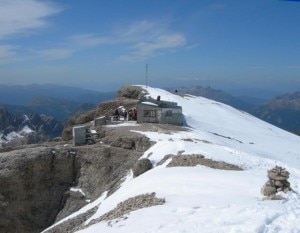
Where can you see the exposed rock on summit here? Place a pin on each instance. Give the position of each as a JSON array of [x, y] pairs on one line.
[[196, 159]]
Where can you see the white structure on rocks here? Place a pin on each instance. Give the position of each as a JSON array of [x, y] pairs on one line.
[[79, 135]]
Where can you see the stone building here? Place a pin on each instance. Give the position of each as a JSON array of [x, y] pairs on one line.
[[158, 111]]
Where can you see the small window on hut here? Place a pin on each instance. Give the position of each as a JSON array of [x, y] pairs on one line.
[[168, 113], [149, 113]]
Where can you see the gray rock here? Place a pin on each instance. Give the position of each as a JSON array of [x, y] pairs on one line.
[[141, 166], [35, 181], [286, 184], [278, 183], [197, 159], [74, 201], [268, 190], [131, 204], [275, 176], [278, 173], [32, 183]]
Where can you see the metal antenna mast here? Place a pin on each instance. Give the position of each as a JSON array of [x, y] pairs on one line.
[[146, 75]]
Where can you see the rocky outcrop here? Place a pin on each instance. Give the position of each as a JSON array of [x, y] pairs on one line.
[[278, 181], [33, 182], [131, 204], [141, 166], [122, 209], [39, 183], [196, 159], [131, 92]]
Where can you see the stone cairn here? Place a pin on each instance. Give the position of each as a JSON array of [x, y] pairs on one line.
[[277, 182]]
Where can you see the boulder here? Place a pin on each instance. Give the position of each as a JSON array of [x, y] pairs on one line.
[[268, 190], [278, 173], [279, 183], [141, 166], [275, 176]]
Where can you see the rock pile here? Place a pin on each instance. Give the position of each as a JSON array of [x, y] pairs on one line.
[[278, 181]]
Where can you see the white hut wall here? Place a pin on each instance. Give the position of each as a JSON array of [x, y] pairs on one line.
[[79, 135], [148, 113], [171, 116]]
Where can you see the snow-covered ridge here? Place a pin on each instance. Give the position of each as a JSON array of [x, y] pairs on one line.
[[26, 130], [201, 199], [238, 130]]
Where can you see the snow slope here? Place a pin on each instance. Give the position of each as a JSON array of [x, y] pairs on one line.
[[202, 199]]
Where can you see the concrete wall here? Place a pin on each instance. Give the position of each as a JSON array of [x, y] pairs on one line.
[[171, 116], [141, 117]]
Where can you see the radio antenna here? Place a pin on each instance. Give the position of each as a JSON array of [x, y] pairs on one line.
[[146, 75]]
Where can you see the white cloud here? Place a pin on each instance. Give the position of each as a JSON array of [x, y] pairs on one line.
[[23, 16], [7, 54], [149, 39], [144, 50], [55, 54], [89, 40], [142, 39], [143, 30], [19, 17]]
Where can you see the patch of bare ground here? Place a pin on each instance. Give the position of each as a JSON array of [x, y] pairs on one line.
[[197, 159], [129, 205]]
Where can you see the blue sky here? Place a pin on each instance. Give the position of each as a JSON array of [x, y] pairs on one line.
[[103, 45]]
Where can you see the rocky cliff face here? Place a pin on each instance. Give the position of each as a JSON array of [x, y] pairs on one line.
[[33, 182], [42, 184]]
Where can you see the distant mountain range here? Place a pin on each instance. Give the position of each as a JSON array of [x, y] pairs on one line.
[[218, 95], [24, 129], [35, 113], [282, 111], [60, 109], [53, 100], [23, 95]]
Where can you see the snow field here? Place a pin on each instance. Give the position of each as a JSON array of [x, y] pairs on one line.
[[201, 199]]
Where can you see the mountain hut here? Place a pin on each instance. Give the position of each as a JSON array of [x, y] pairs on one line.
[[158, 111]]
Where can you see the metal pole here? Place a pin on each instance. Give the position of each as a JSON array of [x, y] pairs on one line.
[[146, 75]]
